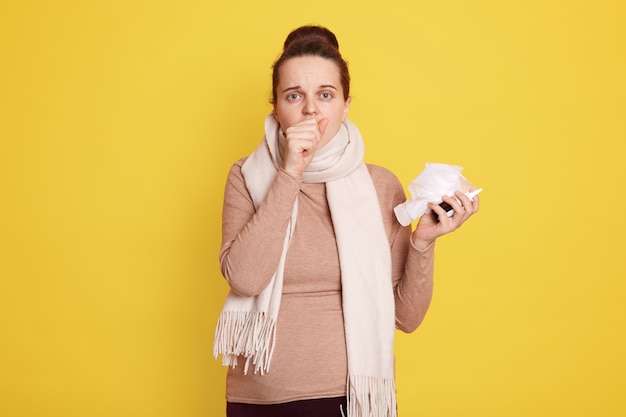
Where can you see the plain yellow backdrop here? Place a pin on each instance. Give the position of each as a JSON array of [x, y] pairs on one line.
[[119, 121]]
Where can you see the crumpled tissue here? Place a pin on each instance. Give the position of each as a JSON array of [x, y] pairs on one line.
[[435, 181]]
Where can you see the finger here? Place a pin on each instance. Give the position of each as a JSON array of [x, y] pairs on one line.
[[465, 201], [475, 204], [303, 146], [456, 205], [322, 125], [308, 125], [306, 131], [475, 201], [439, 213], [302, 124], [469, 203]]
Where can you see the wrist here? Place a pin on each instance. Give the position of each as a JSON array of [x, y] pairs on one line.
[[421, 245], [292, 175]]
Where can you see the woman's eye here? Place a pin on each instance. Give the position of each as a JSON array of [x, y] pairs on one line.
[[327, 96], [293, 96]]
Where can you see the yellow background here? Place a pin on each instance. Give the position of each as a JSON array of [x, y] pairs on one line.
[[119, 121]]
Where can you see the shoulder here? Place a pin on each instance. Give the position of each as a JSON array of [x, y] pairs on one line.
[[383, 178], [239, 163], [390, 193], [387, 184], [235, 182], [235, 168]]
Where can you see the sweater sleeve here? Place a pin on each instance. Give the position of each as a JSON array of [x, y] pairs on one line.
[[412, 269], [414, 289], [252, 240]]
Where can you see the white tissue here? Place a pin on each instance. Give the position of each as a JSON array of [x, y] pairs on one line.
[[435, 181]]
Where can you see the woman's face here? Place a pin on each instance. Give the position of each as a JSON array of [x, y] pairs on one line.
[[309, 87]]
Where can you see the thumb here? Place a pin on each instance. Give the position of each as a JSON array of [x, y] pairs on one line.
[[322, 125]]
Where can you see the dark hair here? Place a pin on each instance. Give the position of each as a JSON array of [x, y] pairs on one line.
[[312, 41]]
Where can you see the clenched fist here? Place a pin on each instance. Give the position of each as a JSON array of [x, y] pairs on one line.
[[303, 139]]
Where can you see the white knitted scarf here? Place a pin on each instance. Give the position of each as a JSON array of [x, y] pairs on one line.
[[247, 325]]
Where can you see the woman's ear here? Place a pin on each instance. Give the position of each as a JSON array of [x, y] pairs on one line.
[[278, 121], [345, 111]]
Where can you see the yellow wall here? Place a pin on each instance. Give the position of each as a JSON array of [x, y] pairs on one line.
[[119, 120]]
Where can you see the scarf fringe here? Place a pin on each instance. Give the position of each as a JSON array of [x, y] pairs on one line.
[[248, 334], [370, 396]]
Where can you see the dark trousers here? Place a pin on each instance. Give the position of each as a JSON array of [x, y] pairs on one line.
[[323, 407]]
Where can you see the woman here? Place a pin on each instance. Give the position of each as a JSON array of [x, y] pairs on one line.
[[320, 271]]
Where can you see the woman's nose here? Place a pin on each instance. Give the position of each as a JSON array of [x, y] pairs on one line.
[[310, 108]]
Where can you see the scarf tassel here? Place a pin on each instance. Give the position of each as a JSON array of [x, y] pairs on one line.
[[248, 334], [371, 396]]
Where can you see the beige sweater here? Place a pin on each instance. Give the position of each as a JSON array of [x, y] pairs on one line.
[[310, 355]]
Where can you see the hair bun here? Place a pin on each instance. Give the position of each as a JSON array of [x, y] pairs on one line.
[[311, 34]]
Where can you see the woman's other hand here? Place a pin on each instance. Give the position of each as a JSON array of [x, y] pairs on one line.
[[428, 228]]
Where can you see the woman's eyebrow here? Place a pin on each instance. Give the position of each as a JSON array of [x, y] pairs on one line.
[[297, 87]]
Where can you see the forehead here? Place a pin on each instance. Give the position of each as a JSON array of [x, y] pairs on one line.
[[307, 70]]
